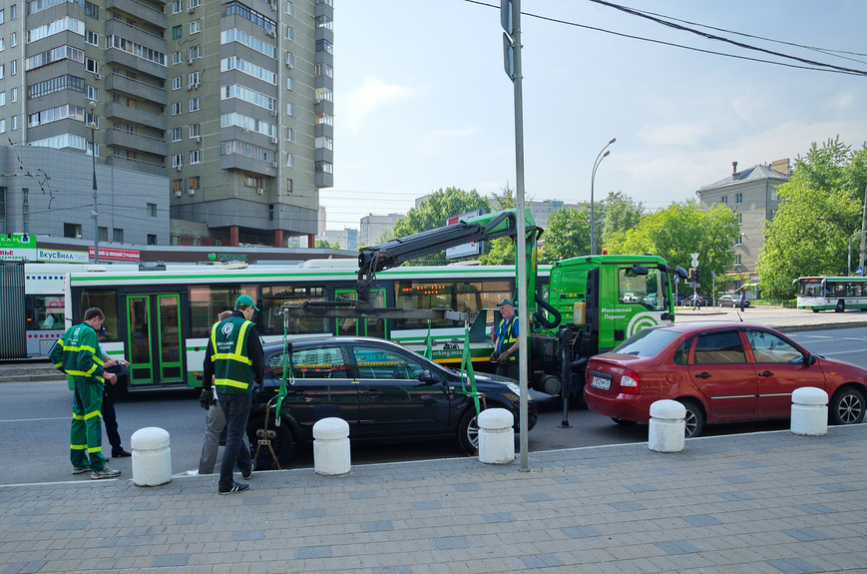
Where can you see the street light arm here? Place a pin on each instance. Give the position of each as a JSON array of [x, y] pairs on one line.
[[602, 155]]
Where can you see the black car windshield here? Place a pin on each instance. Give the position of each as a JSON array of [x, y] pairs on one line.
[[646, 343]]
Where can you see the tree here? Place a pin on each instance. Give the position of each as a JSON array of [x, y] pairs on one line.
[[433, 212], [324, 244], [567, 236], [820, 208], [621, 213], [684, 228]]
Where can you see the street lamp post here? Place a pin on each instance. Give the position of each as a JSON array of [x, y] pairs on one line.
[[95, 206], [599, 159]]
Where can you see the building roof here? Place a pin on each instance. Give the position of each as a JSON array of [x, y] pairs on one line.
[[755, 173]]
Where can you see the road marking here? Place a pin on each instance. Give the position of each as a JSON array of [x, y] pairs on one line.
[[842, 352], [33, 420]]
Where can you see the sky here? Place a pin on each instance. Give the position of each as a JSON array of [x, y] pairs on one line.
[[422, 101]]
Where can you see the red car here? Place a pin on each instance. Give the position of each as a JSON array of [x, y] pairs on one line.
[[721, 372]]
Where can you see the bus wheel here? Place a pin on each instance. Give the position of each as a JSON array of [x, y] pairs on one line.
[[815, 310], [281, 441], [841, 306]]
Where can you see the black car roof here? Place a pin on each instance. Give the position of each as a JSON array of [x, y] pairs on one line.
[[319, 341]]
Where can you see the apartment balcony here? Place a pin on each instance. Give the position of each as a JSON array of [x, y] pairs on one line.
[[115, 56], [146, 144], [136, 89], [140, 11], [131, 164], [136, 116], [324, 9], [323, 130], [248, 164]]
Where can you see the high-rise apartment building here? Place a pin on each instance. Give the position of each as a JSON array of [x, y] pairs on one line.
[[230, 101]]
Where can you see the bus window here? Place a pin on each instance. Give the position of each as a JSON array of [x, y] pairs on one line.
[[207, 302], [481, 296], [275, 297], [423, 295], [44, 313], [107, 301]]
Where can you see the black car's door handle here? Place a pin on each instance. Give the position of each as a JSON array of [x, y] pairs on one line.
[[373, 392], [702, 376], [766, 374]]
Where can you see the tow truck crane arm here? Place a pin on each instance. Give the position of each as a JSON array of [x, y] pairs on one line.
[[395, 252]]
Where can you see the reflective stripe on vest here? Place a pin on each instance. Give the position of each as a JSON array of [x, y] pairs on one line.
[[236, 355]]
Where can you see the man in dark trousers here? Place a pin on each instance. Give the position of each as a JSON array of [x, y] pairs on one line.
[[109, 415], [79, 355], [507, 341], [235, 359], [743, 300]]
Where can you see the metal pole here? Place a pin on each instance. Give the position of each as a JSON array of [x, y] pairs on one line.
[[863, 228], [95, 206], [596, 163], [523, 296]]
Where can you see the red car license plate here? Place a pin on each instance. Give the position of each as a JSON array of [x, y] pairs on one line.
[[600, 383]]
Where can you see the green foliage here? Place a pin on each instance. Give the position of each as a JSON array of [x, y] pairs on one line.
[[433, 213], [501, 251], [324, 244], [681, 229], [621, 213], [568, 235], [820, 208]]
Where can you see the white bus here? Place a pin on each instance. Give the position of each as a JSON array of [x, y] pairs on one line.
[[825, 293]]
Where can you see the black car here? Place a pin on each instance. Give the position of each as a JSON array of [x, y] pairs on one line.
[[382, 390], [732, 301]]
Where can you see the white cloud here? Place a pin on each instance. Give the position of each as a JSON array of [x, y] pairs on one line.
[[358, 104]]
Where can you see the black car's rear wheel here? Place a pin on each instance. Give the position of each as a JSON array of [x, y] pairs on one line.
[[281, 442], [468, 432]]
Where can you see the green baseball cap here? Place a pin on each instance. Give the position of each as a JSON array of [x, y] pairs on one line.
[[245, 301], [505, 302]]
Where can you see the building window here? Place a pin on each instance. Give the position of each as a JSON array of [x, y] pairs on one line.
[[194, 79], [323, 167], [14, 95], [255, 181], [739, 240], [13, 39], [195, 52], [324, 118], [290, 110], [14, 123], [72, 230], [177, 185], [91, 37], [152, 239], [323, 70], [740, 218], [177, 135], [290, 160], [195, 26], [152, 209], [290, 35], [92, 10], [194, 3], [324, 22], [177, 32], [774, 196], [103, 233], [738, 260], [289, 83], [195, 130], [177, 57], [13, 11], [290, 9], [178, 160], [91, 93], [724, 200], [2, 126], [196, 156], [177, 6], [323, 143], [195, 105], [118, 235], [91, 65], [177, 108], [323, 45], [288, 186], [194, 183], [290, 135], [739, 198], [177, 82]]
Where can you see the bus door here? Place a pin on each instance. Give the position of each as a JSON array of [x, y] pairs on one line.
[[350, 327], [154, 339]]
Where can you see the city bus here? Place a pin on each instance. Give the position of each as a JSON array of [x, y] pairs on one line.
[[826, 293], [160, 320]]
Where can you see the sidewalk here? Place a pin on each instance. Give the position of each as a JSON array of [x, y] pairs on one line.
[[757, 503]]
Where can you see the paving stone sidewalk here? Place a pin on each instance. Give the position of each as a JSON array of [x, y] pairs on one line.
[[757, 503]]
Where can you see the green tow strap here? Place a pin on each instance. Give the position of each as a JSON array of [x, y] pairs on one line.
[[281, 394], [428, 344], [467, 364]]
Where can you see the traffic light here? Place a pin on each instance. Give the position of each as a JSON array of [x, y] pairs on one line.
[[691, 278], [698, 275]]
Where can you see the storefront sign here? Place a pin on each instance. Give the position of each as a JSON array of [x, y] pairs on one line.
[[60, 256], [113, 254], [17, 247], [227, 256]]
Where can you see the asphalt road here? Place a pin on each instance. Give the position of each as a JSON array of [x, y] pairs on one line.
[[34, 423]]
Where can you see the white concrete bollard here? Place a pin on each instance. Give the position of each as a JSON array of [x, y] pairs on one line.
[[331, 447], [496, 436], [666, 432], [810, 411], [151, 457]]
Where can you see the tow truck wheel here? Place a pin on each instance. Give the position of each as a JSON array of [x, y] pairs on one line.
[[281, 441]]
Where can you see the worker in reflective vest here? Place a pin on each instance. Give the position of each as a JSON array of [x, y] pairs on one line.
[[508, 343], [79, 355], [236, 361]]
